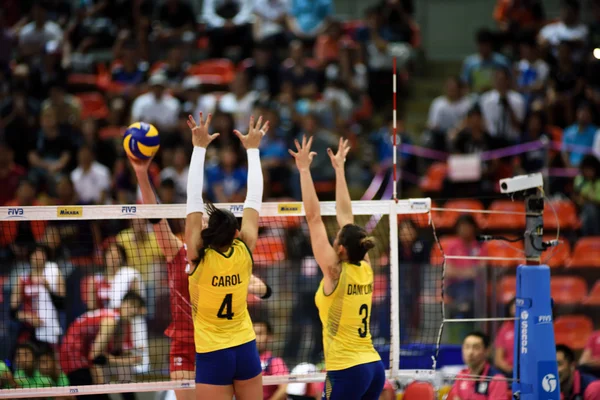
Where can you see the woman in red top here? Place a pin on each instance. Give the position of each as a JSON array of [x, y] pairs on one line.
[[505, 339]]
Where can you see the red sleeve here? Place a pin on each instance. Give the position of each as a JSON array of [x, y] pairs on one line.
[[453, 391], [499, 342], [278, 367], [592, 392], [590, 342], [498, 388]]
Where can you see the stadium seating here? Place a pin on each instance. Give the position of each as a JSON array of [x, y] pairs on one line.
[[565, 218], [419, 391], [586, 253], [93, 105], [558, 256], [269, 250], [504, 249], [506, 219], [434, 180], [507, 288], [568, 289], [573, 330], [215, 72], [593, 299], [436, 257], [447, 219]]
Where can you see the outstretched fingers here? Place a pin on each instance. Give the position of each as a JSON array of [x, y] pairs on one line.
[[191, 122], [208, 119]]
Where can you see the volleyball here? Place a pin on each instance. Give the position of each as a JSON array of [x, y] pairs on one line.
[[141, 141]]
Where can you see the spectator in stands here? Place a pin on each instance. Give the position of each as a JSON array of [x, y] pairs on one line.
[[590, 358], [239, 101], [478, 69], [37, 298], [568, 29], [566, 87], [49, 72], [18, 118], [141, 248], [229, 25], [503, 109], [578, 139], [178, 172], [594, 26], [131, 70], [7, 381], [514, 16], [59, 11], [587, 195], [227, 180], [27, 376], [167, 194], [274, 156], [10, 174], [34, 36], [262, 70], [49, 367], [535, 130], [104, 149], [475, 352], [574, 384], [271, 365], [446, 112], [308, 19], [175, 68], [7, 43], [303, 78], [176, 21], [98, 340], [383, 142], [270, 21], [91, 179], [94, 26], [52, 152], [66, 107], [504, 343], [335, 105], [532, 72], [157, 107], [329, 45]]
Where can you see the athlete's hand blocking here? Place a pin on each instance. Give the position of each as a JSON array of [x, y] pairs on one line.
[[201, 136], [339, 159], [255, 133], [304, 156]]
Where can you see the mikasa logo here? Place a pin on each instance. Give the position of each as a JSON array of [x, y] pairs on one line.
[[69, 212]]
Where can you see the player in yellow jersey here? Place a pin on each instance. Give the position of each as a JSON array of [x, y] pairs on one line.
[[220, 274], [344, 297]]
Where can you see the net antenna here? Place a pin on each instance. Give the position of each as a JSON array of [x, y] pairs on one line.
[[395, 173], [535, 374]]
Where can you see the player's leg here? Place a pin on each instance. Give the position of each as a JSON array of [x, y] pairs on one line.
[[248, 375], [214, 375], [182, 366], [377, 381], [347, 384]]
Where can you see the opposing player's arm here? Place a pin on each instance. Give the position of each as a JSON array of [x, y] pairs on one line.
[[195, 210], [168, 242], [253, 203], [343, 204], [100, 345]]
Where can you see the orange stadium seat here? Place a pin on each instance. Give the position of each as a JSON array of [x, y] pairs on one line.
[[269, 250], [217, 72], [279, 222], [557, 256], [447, 219], [111, 132], [505, 220], [419, 391], [436, 253], [586, 253], [508, 250], [93, 105], [573, 330], [508, 288], [593, 299], [565, 218], [434, 179], [568, 289]]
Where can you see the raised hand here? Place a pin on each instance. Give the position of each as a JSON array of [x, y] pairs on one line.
[[140, 166], [338, 159], [200, 135], [255, 133], [304, 156]]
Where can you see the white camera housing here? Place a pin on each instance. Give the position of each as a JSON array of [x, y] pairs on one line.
[[521, 183]]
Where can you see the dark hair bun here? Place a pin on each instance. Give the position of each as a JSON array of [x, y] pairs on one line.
[[367, 243]]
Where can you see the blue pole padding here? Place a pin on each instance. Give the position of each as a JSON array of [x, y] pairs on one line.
[[535, 373]]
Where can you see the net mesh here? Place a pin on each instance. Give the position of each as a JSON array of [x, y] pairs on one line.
[[75, 269]]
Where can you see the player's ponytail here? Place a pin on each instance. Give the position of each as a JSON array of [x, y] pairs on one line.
[[220, 232], [356, 241]]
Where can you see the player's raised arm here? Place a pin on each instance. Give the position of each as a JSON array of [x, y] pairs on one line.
[[168, 242], [201, 138], [254, 194], [343, 205], [324, 253]]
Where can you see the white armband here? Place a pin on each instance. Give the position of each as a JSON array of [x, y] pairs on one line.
[[195, 182], [255, 185]]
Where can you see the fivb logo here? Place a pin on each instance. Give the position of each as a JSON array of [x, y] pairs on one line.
[[236, 208], [128, 210], [544, 319], [16, 213]]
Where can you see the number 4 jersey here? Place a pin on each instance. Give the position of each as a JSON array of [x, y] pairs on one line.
[[218, 293], [345, 315]]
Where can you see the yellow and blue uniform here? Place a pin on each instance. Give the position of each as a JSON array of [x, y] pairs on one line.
[[354, 368], [223, 334]]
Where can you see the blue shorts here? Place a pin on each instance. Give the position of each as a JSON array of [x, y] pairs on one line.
[[222, 367], [362, 382]]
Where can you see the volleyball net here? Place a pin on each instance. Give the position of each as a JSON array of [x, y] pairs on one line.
[[73, 267]]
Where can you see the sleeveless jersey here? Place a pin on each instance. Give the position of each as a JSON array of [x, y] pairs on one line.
[[345, 315], [77, 343], [181, 326], [218, 292]]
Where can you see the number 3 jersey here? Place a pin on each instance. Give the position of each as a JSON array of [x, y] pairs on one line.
[[345, 315], [218, 293]]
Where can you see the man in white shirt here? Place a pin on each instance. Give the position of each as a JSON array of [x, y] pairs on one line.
[[229, 25], [447, 111], [157, 107], [568, 29], [178, 172], [270, 18], [503, 109], [91, 179], [34, 36]]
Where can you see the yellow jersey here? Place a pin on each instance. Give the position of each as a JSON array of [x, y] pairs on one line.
[[218, 293], [345, 315]]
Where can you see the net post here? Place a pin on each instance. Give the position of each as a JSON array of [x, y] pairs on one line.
[[535, 374], [395, 293]]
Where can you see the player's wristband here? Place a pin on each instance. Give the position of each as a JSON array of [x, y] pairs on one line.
[[255, 184], [100, 360], [268, 293], [195, 203], [154, 221]]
